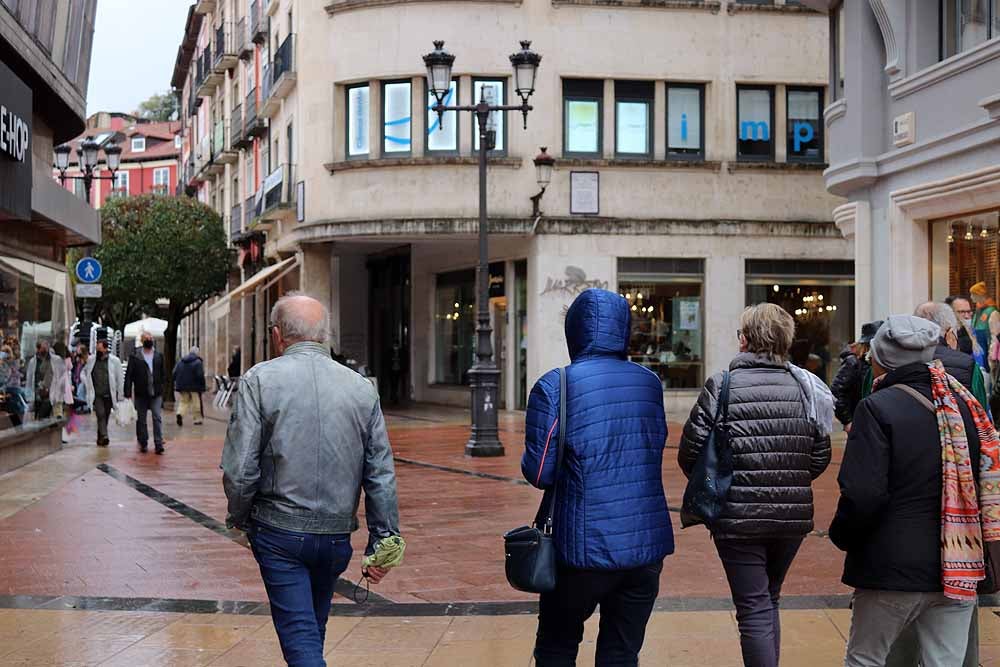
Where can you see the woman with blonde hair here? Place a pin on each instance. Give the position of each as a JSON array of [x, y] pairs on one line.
[[779, 424]]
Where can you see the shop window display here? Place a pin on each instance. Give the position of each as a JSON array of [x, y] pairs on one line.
[[454, 326], [667, 328]]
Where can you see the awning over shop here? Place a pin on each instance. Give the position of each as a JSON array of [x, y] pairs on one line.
[[262, 279]]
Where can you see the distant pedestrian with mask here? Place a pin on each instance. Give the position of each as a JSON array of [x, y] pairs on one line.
[[10, 385], [102, 377], [43, 371], [144, 381], [189, 382]]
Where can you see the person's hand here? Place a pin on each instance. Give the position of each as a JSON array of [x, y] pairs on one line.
[[375, 574], [847, 427]]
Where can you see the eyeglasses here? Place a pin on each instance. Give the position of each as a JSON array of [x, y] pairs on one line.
[[964, 311]]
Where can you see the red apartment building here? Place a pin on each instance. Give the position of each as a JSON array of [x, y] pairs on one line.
[[148, 161]]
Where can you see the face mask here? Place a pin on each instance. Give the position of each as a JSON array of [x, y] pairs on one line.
[[148, 344], [967, 323]]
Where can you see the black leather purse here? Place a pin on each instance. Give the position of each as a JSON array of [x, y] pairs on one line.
[[530, 554], [709, 483]]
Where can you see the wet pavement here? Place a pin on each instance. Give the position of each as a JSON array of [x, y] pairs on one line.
[[112, 557]]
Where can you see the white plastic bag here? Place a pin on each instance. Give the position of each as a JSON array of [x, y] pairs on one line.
[[124, 413]]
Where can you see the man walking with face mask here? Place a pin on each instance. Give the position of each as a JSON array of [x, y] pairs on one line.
[[145, 376]]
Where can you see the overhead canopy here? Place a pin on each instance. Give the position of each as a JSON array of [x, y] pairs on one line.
[[153, 325], [262, 278]]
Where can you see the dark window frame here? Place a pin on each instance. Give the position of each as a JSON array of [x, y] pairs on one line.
[[382, 97], [458, 122], [821, 125], [770, 89], [650, 103], [698, 156], [990, 17], [566, 99], [506, 118], [347, 121]]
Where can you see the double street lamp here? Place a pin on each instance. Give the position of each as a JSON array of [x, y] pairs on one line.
[[87, 155], [484, 376]]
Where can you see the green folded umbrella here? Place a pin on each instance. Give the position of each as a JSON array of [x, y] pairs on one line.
[[388, 553]]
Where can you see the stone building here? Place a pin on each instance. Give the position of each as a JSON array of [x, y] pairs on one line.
[[914, 136], [689, 149]]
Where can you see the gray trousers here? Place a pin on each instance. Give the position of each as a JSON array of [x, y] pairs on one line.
[[941, 626], [142, 406], [906, 651]]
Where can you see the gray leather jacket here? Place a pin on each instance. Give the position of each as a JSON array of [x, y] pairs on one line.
[[305, 436]]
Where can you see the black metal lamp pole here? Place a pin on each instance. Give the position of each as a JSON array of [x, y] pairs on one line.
[[484, 376]]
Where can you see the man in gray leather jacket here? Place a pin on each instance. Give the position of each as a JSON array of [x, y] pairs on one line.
[[305, 436]]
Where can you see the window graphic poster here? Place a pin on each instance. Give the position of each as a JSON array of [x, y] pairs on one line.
[[688, 314], [581, 126], [442, 135], [492, 92], [397, 117], [633, 125], [357, 123], [684, 118]]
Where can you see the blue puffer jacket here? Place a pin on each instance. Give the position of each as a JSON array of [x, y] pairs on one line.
[[611, 511]]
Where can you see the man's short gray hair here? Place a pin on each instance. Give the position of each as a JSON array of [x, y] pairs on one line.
[[940, 314], [288, 316], [194, 350]]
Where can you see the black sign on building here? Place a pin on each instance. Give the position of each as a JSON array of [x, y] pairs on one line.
[[15, 146]]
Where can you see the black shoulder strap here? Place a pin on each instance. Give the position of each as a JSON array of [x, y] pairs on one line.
[[722, 407], [560, 450], [923, 400]]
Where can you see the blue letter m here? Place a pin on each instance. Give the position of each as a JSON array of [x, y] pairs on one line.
[[755, 131]]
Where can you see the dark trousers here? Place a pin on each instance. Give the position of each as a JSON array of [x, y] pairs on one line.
[[43, 408], [299, 571], [102, 409], [755, 570], [142, 406], [626, 598]]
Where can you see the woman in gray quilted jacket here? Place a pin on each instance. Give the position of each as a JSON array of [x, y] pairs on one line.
[[777, 452]]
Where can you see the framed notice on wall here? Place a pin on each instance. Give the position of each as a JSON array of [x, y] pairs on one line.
[[584, 193]]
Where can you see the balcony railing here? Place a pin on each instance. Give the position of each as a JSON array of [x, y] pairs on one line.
[[244, 47], [258, 24], [218, 139], [236, 127], [265, 82], [284, 58], [225, 47], [236, 221], [203, 156], [253, 125], [248, 212], [279, 190]]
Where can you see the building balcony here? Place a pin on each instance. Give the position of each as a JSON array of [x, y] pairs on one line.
[[282, 77], [258, 24], [244, 47], [236, 222], [278, 198], [191, 176], [226, 53], [223, 152], [208, 79], [204, 6], [249, 212], [203, 158], [239, 137], [253, 125]]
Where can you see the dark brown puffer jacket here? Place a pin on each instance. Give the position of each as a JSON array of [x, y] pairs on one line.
[[777, 451]]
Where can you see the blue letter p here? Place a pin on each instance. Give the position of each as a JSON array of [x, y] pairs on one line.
[[803, 133]]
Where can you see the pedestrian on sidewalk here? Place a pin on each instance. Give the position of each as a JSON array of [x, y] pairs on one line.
[[102, 377], [10, 384], [961, 366], [612, 528], [778, 449], [189, 382], [903, 522], [235, 363], [848, 385], [295, 460], [144, 380], [44, 372]]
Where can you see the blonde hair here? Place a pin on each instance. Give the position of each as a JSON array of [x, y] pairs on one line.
[[768, 329]]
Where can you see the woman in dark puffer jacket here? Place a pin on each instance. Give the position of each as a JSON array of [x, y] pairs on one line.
[[777, 452]]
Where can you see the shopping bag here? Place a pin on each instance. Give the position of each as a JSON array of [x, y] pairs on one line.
[[124, 413]]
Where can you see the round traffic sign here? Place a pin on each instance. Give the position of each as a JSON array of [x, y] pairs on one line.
[[88, 270]]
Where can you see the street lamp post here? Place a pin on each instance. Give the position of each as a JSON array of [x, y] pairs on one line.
[[484, 375], [87, 154]]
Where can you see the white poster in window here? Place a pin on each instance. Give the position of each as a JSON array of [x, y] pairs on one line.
[[684, 118], [632, 127], [357, 121], [581, 126], [492, 92], [442, 135], [689, 314], [584, 192], [397, 117]]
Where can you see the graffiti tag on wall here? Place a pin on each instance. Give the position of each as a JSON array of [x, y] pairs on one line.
[[575, 282]]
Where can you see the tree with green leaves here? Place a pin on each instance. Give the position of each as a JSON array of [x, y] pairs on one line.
[[160, 248], [159, 107]]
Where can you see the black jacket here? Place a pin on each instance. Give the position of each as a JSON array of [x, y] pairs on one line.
[[137, 376], [189, 374], [847, 386], [777, 451], [889, 516], [959, 365], [965, 341]]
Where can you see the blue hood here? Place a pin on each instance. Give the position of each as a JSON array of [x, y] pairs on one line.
[[190, 359], [598, 324]]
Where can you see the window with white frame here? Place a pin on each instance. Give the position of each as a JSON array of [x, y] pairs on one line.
[[396, 117], [161, 178], [120, 185], [582, 106], [138, 144], [685, 116], [494, 92]]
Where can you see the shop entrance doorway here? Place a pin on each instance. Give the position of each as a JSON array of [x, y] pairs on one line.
[[389, 323]]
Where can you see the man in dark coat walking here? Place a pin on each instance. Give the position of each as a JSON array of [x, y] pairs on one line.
[[189, 382], [144, 380]]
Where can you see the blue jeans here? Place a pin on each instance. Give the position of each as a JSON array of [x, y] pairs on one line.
[[299, 571]]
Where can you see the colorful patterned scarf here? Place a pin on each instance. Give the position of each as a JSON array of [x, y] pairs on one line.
[[963, 528]]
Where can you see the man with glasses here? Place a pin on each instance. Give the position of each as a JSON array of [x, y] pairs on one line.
[[963, 309]]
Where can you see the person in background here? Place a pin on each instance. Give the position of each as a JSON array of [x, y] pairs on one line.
[[986, 319], [235, 363], [144, 379], [102, 378], [62, 390], [189, 382], [43, 369], [612, 529], [778, 450], [296, 457], [966, 339], [10, 384], [848, 385], [892, 490]]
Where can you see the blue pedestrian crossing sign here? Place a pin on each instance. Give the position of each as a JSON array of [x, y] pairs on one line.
[[88, 270]]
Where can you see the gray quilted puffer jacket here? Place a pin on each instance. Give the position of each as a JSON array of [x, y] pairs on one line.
[[777, 451]]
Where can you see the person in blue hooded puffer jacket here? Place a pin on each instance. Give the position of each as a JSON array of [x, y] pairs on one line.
[[611, 524]]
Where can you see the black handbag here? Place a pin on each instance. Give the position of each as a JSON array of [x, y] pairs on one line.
[[530, 554], [709, 483]]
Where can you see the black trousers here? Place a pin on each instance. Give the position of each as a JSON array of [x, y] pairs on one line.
[[102, 408], [626, 598]]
